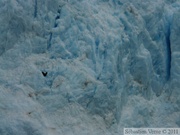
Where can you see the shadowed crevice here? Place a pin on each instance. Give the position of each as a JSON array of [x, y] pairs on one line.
[[35, 8], [168, 43], [55, 25]]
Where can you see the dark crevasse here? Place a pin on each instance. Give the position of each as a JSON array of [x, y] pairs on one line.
[[168, 43], [57, 17], [97, 45], [55, 25], [35, 8], [49, 41]]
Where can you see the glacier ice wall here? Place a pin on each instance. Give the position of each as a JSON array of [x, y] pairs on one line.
[[110, 64]]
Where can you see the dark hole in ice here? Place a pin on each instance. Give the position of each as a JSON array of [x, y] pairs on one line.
[[44, 73]]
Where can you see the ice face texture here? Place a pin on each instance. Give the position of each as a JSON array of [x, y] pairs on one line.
[[72, 67]]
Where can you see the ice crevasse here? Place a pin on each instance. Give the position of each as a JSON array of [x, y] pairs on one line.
[[72, 67]]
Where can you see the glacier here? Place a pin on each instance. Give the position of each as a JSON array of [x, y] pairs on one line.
[[109, 65]]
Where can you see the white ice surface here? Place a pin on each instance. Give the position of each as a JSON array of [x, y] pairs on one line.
[[110, 64]]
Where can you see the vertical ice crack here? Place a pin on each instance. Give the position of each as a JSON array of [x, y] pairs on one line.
[[168, 42], [49, 41], [35, 8], [55, 25]]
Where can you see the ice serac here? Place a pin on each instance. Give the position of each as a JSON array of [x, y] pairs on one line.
[[77, 67], [175, 54]]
